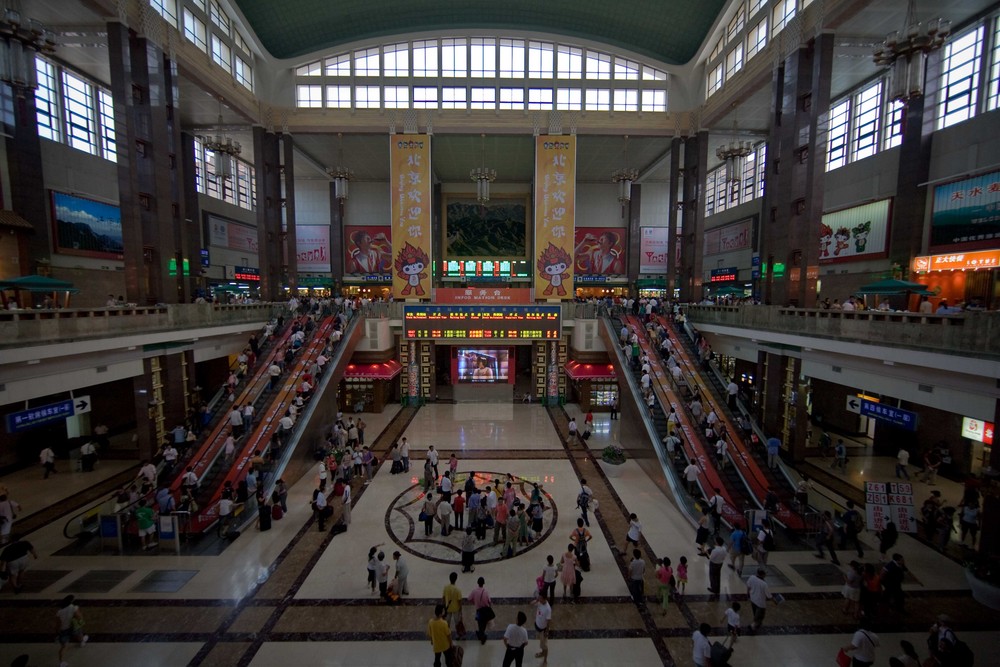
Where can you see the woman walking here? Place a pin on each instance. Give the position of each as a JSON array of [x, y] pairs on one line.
[[567, 569]]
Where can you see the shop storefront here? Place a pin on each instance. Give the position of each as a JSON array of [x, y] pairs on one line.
[[369, 387], [368, 290], [593, 386], [970, 278]]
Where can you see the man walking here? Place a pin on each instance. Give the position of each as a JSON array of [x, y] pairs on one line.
[[440, 636], [402, 574], [840, 456], [773, 450], [515, 638], [480, 599], [404, 454], [636, 573], [543, 614], [47, 458], [759, 595], [583, 500], [902, 460], [716, 558], [825, 538], [452, 599]]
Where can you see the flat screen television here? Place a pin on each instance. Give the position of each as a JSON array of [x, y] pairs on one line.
[[483, 364]]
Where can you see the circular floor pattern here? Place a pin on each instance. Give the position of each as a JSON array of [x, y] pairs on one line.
[[405, 528]]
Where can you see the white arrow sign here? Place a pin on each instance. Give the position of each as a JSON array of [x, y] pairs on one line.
[[81, 404], [854, 404]]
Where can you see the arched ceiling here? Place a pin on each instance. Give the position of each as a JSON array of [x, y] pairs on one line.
[[667, 30]]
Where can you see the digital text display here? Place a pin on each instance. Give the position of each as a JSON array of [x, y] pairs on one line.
[[481, 322]]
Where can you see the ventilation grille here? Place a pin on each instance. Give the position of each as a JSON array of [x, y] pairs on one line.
[[373, 330], [926, 388], [101, 369], [589, 329], [836, 369]]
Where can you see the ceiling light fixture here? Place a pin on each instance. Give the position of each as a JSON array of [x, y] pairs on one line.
[[224, 150], [733, 154], [340, 174], [483, 176], [905, 53], [20, 39], [624, 177]]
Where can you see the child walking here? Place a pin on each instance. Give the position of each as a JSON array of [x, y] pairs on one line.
[[682, 576]]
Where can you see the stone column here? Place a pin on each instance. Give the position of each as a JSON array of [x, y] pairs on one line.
[[632, 210], [672, 215], [288, 172], [693, 216], [192, 225], [267, 163], [906, 233], [797, 148], [28, 197], [143, 83], [336, 240]]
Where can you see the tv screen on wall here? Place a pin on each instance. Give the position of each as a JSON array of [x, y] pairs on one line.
[[483, 364]]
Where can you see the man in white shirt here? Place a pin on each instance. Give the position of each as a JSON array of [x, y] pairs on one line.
[[169, 458], [274, 372], [543, 614], [248, 411], [432, 456], [671, 442], [229, 449], [848, 305], [285, 425], [731, 391], [148, 472], [190, 480], [702, 654], [491, 502], [691, 475], [236, 421], [902, 460], [572, 427], [515, 638], [712, 418], [862, 646], [404, 454], [716, 559], [645, 381], [759, 595]]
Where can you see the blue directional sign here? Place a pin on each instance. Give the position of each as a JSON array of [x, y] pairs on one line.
[[43, 414], [890, 415]]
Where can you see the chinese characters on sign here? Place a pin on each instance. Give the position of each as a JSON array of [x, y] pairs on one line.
[[892, 501], [312, 248], [967, 211], [481, 322], [985, 259], [555, 215], [410, 161], [483, 296], [888, 414]]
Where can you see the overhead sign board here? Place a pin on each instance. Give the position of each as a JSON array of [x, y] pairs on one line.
[[854, 404], [889, 415], [481, 322], [890, 501], [25, 420], [975, 429]]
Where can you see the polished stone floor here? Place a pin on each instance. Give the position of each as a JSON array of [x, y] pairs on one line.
[[295, 595]]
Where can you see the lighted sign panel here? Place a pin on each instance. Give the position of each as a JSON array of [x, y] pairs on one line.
[[246, 273], [482, 322], [497, 270], [724, 275], [975, 429]]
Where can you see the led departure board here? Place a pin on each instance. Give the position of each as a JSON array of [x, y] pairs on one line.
[[481, 322]]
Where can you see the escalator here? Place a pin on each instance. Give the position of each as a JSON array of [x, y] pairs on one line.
[[749, 465]]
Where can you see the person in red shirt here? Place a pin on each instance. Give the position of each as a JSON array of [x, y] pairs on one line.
[[458, 503]]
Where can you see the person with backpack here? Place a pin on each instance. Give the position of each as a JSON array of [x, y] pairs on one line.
[[583, 501], [854, 525], [740, 548], [579, 537], [765, 542], [946, 647]]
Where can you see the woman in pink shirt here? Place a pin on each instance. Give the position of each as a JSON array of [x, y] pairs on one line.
[[480, 598], [665, 575]]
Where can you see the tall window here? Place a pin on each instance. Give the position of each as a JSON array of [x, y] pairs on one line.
[[755, 6], [453, 98], [736, 24], [483, 98], [80, 113], [626, 100], [654, 100], [959, 81], [598, 100], [893, 124], [840, 118], [396, 97], [218, 16], [397, 60], [243, 73], [366, 62], [46, 100], [598, 65], [425, 58], [569, 62], [993, 101], [757, 38], [512, 98], [454, 58], [867, 114], [782, 13], [484, 57], [539, 98], [221, 53], [309, 97], [338, 65], [541, 60], [425, 97], [106, 125], [367, 97], [734, 60], [511, 59], [569, 99], [711, 182], [338, 97], [626, 69], [167, 9], [715, 78], [194, 30]]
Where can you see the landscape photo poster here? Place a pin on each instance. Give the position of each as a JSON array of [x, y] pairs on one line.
[[86, 227], [497, 229]]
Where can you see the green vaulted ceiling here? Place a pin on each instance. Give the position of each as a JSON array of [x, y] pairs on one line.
[[668, 30]]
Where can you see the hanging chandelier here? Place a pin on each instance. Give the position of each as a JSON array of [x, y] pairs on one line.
[[340, 174], [733, 155], [224, 150], [20, 39], [624, 177], [905, 53], [483, 176]]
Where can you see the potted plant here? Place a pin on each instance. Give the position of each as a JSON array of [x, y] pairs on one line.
[[614, 456]]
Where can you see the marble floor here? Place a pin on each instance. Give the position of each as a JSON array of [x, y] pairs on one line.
[[297, 595]]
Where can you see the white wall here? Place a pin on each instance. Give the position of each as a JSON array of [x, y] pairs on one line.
[[862, 181], [312, 201], [597, 206], [970, 146], [655, 205], [368, 204]]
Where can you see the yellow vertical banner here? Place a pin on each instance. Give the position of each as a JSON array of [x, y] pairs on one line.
[[555, 215], [410, 171]]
